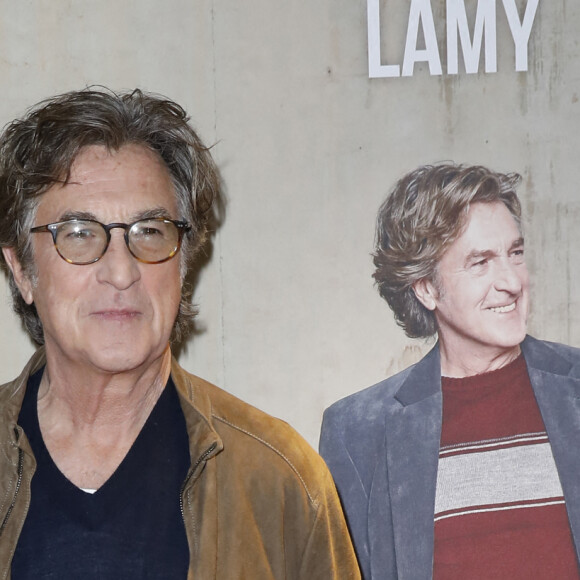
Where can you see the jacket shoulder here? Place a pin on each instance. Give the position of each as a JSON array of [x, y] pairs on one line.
[[254, 439], [369, 404], [571, 353], [12, 392], [552, 357]]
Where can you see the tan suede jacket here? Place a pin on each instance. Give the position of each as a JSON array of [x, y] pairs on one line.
[[258, 502]]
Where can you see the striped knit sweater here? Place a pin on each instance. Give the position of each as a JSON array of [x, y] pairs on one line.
[[499, 511]]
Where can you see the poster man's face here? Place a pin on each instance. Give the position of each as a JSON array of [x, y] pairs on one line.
[[481, 300]]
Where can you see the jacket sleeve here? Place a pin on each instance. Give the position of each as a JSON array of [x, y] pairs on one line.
[[329, 553]]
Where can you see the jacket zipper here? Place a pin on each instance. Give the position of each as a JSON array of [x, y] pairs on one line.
[[17, 489], [201, 458]]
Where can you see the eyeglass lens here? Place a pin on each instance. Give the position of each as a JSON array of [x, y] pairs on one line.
[[83, 242]]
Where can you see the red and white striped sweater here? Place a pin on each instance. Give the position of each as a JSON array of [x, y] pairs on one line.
[[499, 510]]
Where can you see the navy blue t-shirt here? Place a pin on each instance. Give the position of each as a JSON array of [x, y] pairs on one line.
[[130, 528]]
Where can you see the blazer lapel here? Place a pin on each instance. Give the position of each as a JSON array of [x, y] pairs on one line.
[[556, 384], [412, 437]]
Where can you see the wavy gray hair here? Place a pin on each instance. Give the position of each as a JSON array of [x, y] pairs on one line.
[[423, 215]]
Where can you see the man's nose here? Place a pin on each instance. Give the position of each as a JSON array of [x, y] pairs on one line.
[[508, 277], [118, 267]]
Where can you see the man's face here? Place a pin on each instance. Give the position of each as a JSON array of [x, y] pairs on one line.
[[115, 314], [481, 295]]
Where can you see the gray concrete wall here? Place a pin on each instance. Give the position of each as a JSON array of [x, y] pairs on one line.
[[308, 146]]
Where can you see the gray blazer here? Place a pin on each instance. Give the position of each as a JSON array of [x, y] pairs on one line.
[[382, 447]]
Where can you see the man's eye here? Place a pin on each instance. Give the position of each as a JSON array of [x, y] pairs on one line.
[[80, 235], [148, 232]]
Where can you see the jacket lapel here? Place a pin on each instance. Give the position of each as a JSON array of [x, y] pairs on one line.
[[199, 502], [556, 384], [412, 437]]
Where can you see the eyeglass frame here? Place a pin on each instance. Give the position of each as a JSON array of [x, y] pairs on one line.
[[182, 228]]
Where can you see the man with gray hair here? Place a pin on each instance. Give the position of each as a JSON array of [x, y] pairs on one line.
[[466, 464], [114, 461]]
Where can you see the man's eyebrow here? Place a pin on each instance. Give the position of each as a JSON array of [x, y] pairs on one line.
[[155, 212], [77, 215], [517, 243], [476, 255]]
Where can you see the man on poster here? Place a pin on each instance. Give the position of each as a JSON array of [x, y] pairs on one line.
[[466, 464]]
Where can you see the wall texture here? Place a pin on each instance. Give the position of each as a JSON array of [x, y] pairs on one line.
[[308, 146]]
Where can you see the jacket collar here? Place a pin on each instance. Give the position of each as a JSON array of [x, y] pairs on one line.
[[12, 396], [546, 357], [204, 441], [423, 380]]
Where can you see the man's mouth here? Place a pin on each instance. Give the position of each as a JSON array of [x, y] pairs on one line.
[[117, 314], [503, 309]]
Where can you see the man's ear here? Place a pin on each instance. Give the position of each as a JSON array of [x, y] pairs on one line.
[[22, 280], [426, 293]]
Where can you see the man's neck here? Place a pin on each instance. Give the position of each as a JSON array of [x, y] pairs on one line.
[[89, 428], [459, 363]]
